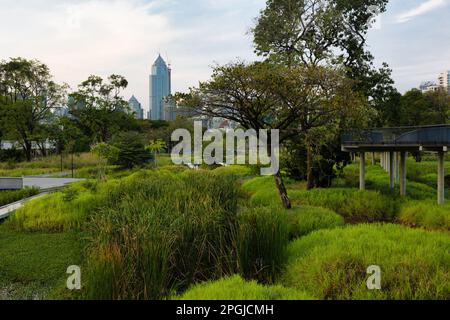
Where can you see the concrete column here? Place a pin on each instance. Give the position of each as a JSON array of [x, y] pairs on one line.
[[374, 161], [391, 170], [441, 178], [403, 173], [362, 171], [397, 167]]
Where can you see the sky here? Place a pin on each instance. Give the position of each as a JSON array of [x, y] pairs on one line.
[[77, 38]]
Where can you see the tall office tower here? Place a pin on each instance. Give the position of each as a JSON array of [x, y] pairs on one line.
[[160, 88], [136, 108], [444, 80]]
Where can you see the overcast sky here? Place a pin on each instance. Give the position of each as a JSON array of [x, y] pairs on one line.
[[78, 38]]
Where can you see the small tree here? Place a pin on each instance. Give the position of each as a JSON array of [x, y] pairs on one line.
[[108, 153], [131, 150], [156, 146]]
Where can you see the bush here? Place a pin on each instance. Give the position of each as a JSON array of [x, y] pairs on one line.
[[239, 171], [157, 232], [427, 215], [131, 150], [7, 197], [261, 242], [235, 288], [304, 220], [332, 264]]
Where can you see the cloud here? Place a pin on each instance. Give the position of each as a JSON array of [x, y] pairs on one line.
[[78, 38], [423, 8]]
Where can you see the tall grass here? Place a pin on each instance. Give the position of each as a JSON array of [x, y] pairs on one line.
[[261, 242], [425, 214], [332, 264], [236, 289], [157, 232]]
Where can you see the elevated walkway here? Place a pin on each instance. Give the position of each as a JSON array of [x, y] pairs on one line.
[[393, 144]]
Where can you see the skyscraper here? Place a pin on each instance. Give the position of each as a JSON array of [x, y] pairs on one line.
[[160, 88], [136, 108]]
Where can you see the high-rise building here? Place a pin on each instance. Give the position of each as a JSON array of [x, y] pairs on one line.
[[136, 108], [429, 86], [444, 80], [160, 88]]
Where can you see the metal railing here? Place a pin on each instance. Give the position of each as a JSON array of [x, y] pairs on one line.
[[420, 135]]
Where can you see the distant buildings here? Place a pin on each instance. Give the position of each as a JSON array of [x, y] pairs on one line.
[[160, 88], [443, 83], [136, 108], [444, 80]]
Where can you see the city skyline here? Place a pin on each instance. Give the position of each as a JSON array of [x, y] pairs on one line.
[[84, 37]]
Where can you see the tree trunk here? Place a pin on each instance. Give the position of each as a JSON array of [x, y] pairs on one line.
[[310, 168], [282, 191], [28, 150]]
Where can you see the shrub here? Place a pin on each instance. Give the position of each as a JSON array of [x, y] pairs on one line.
[[235, 288], [157, 232], [332, 264], [7, 197], [261, 242], [130, 150], [304, 220], [427, 215]]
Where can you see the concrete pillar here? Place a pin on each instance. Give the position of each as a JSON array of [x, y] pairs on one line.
[[403, 173], [441, 178], [374, 160], [391, 170], [397, 167], [362, 172]]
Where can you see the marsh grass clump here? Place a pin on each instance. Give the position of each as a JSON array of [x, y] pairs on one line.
[[304, 220], [261, 240], [157, 232], [234, 288], [332, 264], [425, 214]]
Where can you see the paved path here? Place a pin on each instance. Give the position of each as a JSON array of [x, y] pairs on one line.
[[48, 183]]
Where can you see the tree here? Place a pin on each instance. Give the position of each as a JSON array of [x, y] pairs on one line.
[[28, 95], [100, 110], [156, 146], [440, 106], [294, 100], [131, 150]]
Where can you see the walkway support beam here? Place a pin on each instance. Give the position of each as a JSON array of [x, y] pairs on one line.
[[441, 178], [391, 170], [403, 173], [362, 171]]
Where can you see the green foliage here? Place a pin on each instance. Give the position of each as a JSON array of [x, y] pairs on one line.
[[33, 264], [157, 231], [238, 171], [303, 220], [7, 197], [425, 214], [261, 240], [353, 205], [129, 150], [235, 288], [57, 212], [332, 264]]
